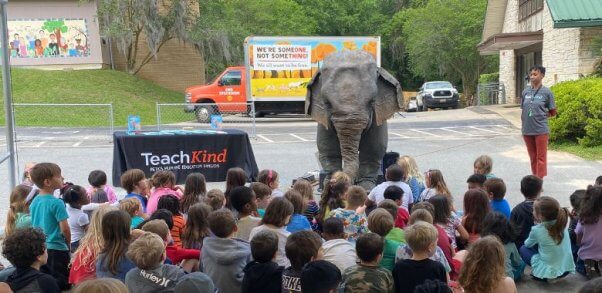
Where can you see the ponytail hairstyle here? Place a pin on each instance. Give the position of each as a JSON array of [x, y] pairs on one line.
[[163, 178], [548, 209], [18, 204], [591, 206], [334, 191], [267, 177], [435, 178], [74, 195], [195, 189]]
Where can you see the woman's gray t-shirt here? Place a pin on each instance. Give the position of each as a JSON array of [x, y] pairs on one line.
[[535, 106]]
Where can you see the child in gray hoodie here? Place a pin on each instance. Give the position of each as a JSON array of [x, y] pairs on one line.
[[150, 274], [223, 257]]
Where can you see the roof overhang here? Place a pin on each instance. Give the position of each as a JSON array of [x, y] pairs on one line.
[[509, 41]]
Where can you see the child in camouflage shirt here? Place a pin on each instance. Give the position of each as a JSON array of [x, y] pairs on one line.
[[367, 275]]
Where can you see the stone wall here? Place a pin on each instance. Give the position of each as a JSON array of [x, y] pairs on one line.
[[560, 54], [586, 58]]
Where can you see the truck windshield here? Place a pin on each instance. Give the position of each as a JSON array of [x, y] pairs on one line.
[[437, 85]]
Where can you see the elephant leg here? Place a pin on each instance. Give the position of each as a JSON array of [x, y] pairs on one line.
[[329, 150], [373, 147]]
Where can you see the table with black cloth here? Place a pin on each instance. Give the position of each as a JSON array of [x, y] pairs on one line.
[[209, 152]]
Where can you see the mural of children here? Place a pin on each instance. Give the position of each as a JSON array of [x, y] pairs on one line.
[[13, 51], [81, 49], [22, 47], [16, 43], [39, 50], [72, 50], [42, 37], [53, 46]]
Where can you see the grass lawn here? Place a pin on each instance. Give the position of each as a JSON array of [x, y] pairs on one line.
[[128, 94], [592, 154]]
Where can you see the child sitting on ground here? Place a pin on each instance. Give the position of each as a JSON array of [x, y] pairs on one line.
[[270, 178], [320, 276], [396, 234], [112, 261], [548, 248], [195, 189], [18, 213], [483, 165], [263, 195], [164, 183], [277, 215], [367, 275], [224, 257], [483, 269], [435, 185], [150, 274], [395, 193], [405, 251], [447, 220], [576, 200], [337, 249], [311, 206], [197, 227], [496, 190], [394, 175], [49, 214], [188, 259], [381, 222], [215, 199], [135, 184], [589, 230], [476, 181], [476, 207], [75, 197], [133, 207], [521, 217], [409, 273], [26, 250], [498, 225], [356, 223], [301, 248], [234, 177], [172, 204], [263, 274], [99, 191], [243, 200], [333, 196], [298, 221]]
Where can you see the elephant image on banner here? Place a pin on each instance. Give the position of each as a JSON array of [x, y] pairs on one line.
[[351, 98]]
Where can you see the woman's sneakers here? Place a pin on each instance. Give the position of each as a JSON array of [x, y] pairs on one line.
[[593, 268]]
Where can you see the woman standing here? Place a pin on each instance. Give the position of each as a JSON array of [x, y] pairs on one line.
[[537, 104]]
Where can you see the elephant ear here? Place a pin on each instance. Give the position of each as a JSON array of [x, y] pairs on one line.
[[389, 98], [314, 102]]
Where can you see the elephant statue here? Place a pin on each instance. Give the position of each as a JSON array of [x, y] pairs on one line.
[[351, 98]]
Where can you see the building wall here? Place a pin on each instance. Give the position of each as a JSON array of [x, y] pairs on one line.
[[560, 54], [27, 18], [586, 56], [507, 57]]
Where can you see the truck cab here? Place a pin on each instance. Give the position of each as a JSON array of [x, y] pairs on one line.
[[226, 94]]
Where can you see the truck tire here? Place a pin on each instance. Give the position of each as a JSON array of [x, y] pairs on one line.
[[203, 114]]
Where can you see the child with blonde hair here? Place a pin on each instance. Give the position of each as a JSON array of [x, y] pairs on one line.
[[311, 206], [356, 223], [483, 165], [101, 285], [414, 177], [215, 199], [18, 213], [133, 207]]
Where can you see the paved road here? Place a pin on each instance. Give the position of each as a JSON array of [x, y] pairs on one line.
[[447, 140]]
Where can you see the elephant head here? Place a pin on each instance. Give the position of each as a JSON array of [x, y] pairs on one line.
[[351, 93]]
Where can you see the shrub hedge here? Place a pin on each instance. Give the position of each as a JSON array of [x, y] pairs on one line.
[[579, 105]]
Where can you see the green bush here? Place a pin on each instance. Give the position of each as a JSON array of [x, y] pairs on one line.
[[489, 77], [579, 105]]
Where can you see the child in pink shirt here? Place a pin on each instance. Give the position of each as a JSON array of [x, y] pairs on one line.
[[164, 183], [98, 182]]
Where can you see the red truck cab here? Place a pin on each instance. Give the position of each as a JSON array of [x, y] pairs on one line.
[[226, 94]]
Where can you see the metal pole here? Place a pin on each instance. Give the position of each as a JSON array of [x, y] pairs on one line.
[[8, 99], [111, 122], [158, 117]]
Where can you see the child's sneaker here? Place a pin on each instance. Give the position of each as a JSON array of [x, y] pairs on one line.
[[592, 268], [556, 280]]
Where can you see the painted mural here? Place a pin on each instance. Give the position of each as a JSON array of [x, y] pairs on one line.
[[48, 38]]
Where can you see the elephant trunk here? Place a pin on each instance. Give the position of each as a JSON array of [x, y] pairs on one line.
[[349, 139]]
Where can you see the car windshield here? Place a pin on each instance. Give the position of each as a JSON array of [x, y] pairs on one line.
[[437, 85]]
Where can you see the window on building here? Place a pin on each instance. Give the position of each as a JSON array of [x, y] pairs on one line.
[[527, 8]]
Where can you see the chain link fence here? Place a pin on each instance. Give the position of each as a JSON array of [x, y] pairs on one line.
[[30, 116], [207, 116], [491, 94]]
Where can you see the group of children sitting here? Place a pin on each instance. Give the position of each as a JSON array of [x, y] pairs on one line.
[[404, 235]]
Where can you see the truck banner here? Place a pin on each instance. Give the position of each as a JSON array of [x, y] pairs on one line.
[[280, 67]]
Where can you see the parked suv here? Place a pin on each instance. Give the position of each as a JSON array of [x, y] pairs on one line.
[[437, 94]]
